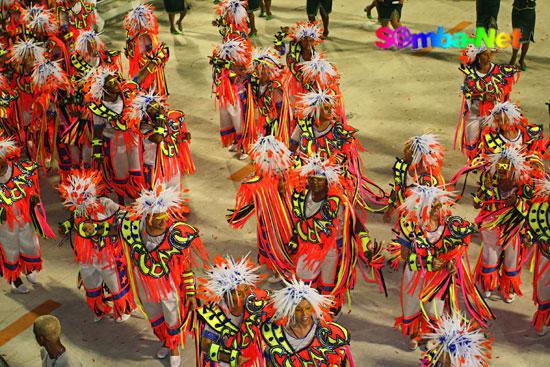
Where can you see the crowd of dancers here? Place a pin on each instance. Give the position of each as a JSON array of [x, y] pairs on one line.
[[67, 108]]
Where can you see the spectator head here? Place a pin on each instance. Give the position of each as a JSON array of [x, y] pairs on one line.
[[47, 329]]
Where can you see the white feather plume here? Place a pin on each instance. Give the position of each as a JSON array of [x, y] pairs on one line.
[[7, 146], [86, 37], [271, 156], [315, 166], [521, 170], [234, 50], [138, 107], [418, 204], [48, 75], [236, 10], [309, 104], [80, 192], [22, 49], [465, 345], [426, 149], [284, 301], [542, 187], [509, 109], [320, 70], [140, 17], [266, 60], [96, 79], [304, 29], [30, 12], [226, 277], [160, 199], [44, 23]]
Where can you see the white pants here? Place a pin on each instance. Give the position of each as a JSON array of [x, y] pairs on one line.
[[93, 276], [20, 249], [472, 125], [326, 268], [231, 117]]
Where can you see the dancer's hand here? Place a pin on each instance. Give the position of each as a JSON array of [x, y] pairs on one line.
[[438, 264], [35, 199], [88, 228], [191, 301], [526, 241], [451, 268], [242, 360], [62, 230], [388, 214], [510, 201]]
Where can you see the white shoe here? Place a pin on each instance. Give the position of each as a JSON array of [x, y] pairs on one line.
[[412, 344], [511, 299], [233, 148], [163, 352], [175, 361], [31, 277], [242, 156], [274, 279], [544, 330], [22, 289], [370, 26], [123, 318], [487, 294], [98, 318]]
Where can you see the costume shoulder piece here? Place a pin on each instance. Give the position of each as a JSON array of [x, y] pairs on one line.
[[459, 228], [538, 226], [214, 316], [534, 132]]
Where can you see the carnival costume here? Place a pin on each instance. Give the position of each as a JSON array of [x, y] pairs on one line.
[[169, 159], [98, 252], [539, 231], [426, 292], [501, 219], [159, 266], [232, 20], [497, 82], [327, 243], [259, 193], [325, 345], [113, 139], [228, 336], [22, 216], [143, 47]]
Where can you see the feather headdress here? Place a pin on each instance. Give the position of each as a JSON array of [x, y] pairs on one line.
[[471, 52], [44, 23], [140, 18], [426, 150], [81, 190], [315, 166], [309, 104], [271, 156], [305, 29], [137, 108], [521, 170], [48, 76], [464, 343], [84, 39], [28, 14], [319, 71], [233, 50], [265, 59], [542, 189], [508, 109], [95, 82], [235, 10], [23, 49], [420, 200], [226, 276], [286, 300], [160, 199], [8, 148]]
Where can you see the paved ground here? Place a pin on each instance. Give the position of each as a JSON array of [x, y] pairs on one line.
[[390, 96]]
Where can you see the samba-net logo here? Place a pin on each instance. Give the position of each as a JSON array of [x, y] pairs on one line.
[[403, 38]]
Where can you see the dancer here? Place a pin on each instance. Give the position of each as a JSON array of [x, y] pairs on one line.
[[231, 318], [523, 18], [98, 253], [21, 215], [160, 250], [299, 328], [389, 11], [322, 6]]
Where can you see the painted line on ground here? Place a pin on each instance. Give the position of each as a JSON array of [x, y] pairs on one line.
[[457, 28], [242, 173], [26, 321]]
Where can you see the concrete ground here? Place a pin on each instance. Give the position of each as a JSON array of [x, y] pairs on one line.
[[390, 96]]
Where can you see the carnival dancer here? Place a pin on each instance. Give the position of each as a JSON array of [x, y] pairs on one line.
[[107, 94], [166, 140], [8, 108], [232, 20], [320, 130], [90, 52], [161, 249], [143, 48], [457, 342], [421, 164], [11, 21], [21, 215], [504, 196], [265, 192], [436, 272], [328, 238], [267, 94], [229, 63], [99, 254], [539, 233], [318, 73], [301, 329], [75, 15], [231, 318], [485, 84]]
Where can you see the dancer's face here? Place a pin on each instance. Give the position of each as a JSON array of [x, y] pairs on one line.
[[408, 153], [307, 43], [485, 58], [239, 296], [317, 184], [93, 50], [502, 121], [326, 112], [504, 169], [154, 109], [435, 213], [111, 85], [159, 221], [303, 314]]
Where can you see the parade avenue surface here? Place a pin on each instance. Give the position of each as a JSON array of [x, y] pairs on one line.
[[390, 95]]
